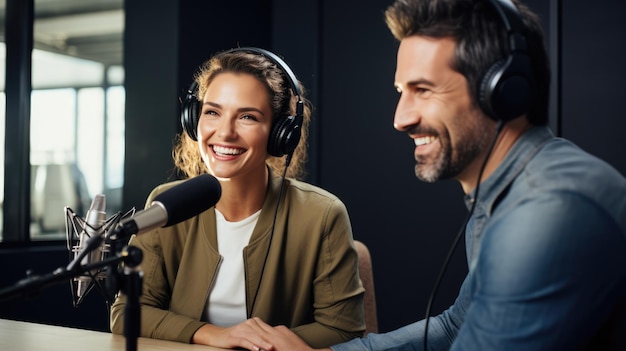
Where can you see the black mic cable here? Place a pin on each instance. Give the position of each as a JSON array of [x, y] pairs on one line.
[[458, 235]]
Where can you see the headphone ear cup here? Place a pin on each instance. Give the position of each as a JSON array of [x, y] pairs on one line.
[[284, 136], [190, 113], [506, 90], [486, 89]]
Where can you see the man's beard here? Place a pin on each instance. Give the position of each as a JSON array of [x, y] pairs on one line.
[[447, 165]]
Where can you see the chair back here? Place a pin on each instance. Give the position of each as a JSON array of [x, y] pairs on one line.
[[367, 278]]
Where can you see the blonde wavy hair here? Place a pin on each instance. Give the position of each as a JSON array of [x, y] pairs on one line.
[[186, 152]]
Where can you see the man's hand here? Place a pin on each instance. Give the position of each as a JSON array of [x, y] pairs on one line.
[[283, 339]]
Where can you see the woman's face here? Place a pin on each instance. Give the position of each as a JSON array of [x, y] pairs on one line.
[[234, 126]]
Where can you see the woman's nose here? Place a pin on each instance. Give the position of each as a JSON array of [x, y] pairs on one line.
[[226, 128]]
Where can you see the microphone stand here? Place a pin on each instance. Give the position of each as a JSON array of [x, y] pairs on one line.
[[131, 282]]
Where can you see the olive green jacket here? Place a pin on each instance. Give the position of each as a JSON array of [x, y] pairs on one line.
[[310, 282]]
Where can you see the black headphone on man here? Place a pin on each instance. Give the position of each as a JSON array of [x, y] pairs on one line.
[[507, 90], [285, 131]]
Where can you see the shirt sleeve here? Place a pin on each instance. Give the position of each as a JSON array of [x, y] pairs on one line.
[[442, 330]]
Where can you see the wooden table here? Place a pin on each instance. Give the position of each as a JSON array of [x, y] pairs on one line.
[[24, 336]]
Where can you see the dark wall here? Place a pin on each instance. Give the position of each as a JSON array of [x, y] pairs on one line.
[[151, 56], [345, 56], [594, 71], [295, 36]]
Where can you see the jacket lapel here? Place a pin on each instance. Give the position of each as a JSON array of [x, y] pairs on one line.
[[257, 252]]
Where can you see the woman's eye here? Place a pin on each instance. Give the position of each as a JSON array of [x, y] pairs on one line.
[[249, 117]]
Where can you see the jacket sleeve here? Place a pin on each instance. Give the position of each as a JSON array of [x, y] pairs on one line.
[[338, 292], [156, 320]]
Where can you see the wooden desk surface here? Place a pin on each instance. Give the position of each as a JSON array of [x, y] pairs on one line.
[[24, 336]]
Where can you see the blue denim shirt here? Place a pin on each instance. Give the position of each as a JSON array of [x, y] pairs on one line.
[[546, 248]]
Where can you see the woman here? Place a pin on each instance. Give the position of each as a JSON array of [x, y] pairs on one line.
[[272, 247]]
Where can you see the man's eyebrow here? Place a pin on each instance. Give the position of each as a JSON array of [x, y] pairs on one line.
[[412, 83], [421, 81]]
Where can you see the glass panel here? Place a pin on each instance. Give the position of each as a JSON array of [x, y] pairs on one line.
[[2, 126], [53, 160], [2, 118], [52, 70], [90, 138], [115, 75], [116, 99], [76, 127], [3, 61], [77, 130]]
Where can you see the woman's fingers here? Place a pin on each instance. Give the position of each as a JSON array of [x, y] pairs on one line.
[[252, 335], [282, 338]]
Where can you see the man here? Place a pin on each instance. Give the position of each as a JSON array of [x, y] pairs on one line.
[[546, 240]]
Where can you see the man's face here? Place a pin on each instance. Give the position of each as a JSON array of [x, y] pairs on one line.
[[436, 111]]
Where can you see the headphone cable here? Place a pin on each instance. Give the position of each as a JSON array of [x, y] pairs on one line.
[[280, 192], [458, 236]]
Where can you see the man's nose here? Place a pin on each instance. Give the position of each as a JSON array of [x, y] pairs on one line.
[[406, 115]]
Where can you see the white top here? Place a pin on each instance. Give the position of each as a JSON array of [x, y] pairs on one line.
[[226, 305]]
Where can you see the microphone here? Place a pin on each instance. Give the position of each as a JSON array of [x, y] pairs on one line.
[[88, 245], [94, 226], [177, 204]]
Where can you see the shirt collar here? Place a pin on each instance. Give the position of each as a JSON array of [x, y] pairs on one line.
[[514, 162]]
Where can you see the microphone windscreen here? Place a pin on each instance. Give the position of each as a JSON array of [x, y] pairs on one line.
[[190, 198]]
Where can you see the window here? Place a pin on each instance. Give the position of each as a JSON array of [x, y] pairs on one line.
[[76, 112]]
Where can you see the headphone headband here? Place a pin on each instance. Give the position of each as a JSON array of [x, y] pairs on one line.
[[291, 77], [293, 81], [512, 21], [506, 91]]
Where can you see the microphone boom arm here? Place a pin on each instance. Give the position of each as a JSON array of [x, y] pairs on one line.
[[32, 284]]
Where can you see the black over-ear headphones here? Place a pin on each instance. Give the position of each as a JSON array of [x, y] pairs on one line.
[[507, 89], [286, 130]]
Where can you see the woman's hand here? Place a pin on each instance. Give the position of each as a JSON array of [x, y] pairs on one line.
[[248, 335], [283, 339]]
